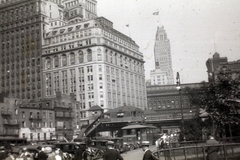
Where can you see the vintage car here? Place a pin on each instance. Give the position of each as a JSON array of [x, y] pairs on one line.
[[32, 149], [69, 147]]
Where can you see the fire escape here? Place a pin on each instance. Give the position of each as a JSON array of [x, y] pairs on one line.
[[10, 124]]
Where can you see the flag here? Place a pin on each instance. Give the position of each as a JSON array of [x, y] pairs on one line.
[[156, 13], [127, 25]]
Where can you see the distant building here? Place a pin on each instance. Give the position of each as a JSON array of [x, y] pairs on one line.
[[37, 120], [212, 64], [164, 100], [231, 68], [163, 73], [50, 118], [217, 65]]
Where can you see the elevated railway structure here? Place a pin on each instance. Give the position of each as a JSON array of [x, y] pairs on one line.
[[105, 123]]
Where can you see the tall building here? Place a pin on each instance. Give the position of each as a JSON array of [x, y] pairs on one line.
[[163, 73], [23, 24], [22, 27], [100, 65]]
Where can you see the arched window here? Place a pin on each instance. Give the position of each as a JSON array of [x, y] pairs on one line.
[[72, 58], [47, 63], [154, 105], [80, 57], [164, 104], [159, 104], [116, 59], [56, 61], [168, 104], [106, 55], [150, 105], [111, 57], [89, 55], [64, 60], [173, 104]]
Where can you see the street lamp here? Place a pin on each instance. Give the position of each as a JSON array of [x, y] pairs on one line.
[[180, 102]]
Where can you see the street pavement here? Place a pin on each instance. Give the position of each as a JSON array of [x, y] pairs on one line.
[[136, 154]]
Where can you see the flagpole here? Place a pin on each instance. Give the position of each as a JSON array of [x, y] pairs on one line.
[[128, 30]]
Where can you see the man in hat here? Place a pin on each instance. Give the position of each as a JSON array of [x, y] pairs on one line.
[[111, 153], [40, 155], [148, 154], [212, 149]]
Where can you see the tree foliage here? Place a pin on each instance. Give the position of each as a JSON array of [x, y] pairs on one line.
[[219, 100]]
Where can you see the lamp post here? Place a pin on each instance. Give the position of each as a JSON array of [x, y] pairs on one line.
[[180, 102]]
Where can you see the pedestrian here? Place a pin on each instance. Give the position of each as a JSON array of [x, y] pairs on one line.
[[57, 155], [213, 148], [3, 153], [50, 153], [24, 154], [78, 153], [41, 155], [148, 155], [111, 153]]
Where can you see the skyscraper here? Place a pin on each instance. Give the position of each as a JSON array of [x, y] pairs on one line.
[[163, 73]]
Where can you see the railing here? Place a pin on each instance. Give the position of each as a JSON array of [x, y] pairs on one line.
[[6, 113], [93, 125], [229, 151]]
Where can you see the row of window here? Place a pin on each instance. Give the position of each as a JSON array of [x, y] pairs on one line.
[[167, 104]]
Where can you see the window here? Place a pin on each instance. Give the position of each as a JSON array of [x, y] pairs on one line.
[[56, 61], [100, 76], [89, 55], [64, 60], [23, 114], [80, 57], [48, 63], [72, 58]]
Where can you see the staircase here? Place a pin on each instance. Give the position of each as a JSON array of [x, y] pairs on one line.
[[91, 127]]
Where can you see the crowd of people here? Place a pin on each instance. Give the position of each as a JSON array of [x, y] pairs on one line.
[[42, 153]]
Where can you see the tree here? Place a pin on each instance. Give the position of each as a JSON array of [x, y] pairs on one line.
[[218, 100], [193, 129]]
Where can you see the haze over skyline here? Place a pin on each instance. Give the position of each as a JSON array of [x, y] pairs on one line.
[[196, 30]]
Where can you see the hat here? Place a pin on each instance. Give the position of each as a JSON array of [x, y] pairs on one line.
[[110, 143], [48, 149], [145, 143]]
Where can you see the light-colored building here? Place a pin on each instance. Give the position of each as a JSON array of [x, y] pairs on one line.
[[163, 73], [100, 65]]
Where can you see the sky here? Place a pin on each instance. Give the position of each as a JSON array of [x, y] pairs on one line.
[[196, 30]]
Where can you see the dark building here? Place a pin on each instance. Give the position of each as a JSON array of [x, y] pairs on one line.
[[165, 103], [212, 64], [9, 122]]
